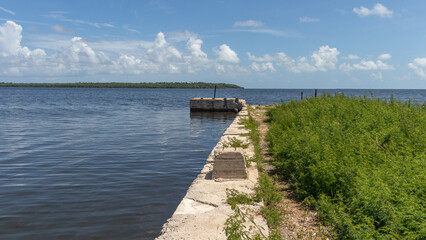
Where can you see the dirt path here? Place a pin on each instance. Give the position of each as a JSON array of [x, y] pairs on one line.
[[299, 221]]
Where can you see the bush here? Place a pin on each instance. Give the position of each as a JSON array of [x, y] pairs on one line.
[[362, 161]]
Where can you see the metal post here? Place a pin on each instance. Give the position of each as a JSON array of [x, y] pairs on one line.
[[316, 90], [214, 91], [301, 95]]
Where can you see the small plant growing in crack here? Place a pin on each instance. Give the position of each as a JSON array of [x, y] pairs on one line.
[[235, 143]]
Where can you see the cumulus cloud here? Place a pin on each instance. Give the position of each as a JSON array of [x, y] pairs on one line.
[[262, 67], [194, 47], [419, 66], [322, 60], [161, 51], [78, 57], [226, 54], [181, 36], [366, 65], [306, 19], [378, 10], [248, 23], [325, 58], [10, 41]]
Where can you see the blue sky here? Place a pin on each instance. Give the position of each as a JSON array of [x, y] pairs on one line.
[[256, 44]]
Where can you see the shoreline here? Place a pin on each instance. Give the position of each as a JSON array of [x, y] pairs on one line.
[[187, 85]]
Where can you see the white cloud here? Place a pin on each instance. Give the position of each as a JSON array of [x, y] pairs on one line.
[[267, 31], [194, 47], [306, 19], [80, 52], [378, 10], [128, 28], [366, 65], [325, 58], [79, 57], [384, 56], [419, 66], [60, 15], [248, 23], [226, 54], [252, 26], [7, 10], [161, 52], [181, 36], [351, 57], [10, 41], [322, 60], [263, 67]]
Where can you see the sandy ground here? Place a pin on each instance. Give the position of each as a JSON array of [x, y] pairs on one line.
[[300, 222]]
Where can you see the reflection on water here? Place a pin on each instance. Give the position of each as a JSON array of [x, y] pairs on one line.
[[213, 115]]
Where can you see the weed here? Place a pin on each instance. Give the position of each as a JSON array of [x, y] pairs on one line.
[[235, 143], [266, 191], [235, 197], [361, 162]]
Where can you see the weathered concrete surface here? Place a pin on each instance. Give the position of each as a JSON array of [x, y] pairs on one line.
[[203, 211], [217, 104], [229, 165]]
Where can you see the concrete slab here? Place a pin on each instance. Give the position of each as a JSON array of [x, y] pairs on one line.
[[217, 104], [233, 131], [229, 165]]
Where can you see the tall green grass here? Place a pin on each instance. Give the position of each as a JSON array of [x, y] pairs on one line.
[[360, 161]]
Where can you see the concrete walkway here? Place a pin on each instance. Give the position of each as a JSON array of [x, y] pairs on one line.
[[203, 211]]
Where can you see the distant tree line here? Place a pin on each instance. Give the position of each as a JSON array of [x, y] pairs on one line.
[[124, 85]]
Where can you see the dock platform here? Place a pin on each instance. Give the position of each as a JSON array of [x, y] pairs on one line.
[[217, 104]]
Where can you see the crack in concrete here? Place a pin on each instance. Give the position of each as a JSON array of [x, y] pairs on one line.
[[202, 202]]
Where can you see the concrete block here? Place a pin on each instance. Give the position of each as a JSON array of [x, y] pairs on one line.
[[229, 165], [216, 104]]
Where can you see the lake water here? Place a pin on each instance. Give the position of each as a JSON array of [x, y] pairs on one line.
[[78, 163]]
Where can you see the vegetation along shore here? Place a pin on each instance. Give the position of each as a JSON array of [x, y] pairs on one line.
[[125, 85], [359, 162], [338, 167]]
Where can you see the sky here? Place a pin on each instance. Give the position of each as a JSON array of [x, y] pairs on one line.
[[255, 44]]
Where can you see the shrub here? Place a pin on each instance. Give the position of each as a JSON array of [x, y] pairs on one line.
[[361, 160]]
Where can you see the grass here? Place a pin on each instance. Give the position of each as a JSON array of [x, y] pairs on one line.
[[360, 161]]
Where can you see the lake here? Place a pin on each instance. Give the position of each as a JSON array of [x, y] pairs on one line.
[[88, 163]]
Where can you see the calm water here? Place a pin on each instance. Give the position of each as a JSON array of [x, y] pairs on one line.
[[109, 163]]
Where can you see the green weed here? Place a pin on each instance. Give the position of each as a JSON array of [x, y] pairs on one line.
[[234, 197], [235, 143], [266, 191], [361, 162]]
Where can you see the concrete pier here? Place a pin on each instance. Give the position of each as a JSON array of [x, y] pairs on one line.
[[203, 211], [217, 104]]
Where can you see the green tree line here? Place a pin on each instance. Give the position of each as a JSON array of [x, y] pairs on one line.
[[124, 85]]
